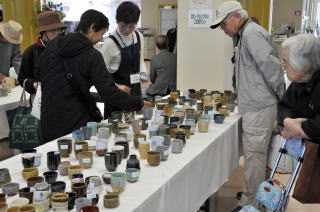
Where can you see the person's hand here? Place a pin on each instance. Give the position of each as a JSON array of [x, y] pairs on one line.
[[124, 88], [292, 128], [35, 85], [2, 76], [146, 105]]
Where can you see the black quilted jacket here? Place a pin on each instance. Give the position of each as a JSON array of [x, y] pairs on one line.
[[62, 109]]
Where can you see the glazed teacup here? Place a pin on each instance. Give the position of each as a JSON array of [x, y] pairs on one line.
[[111, 200], [118, 181], [176, 146], [153, 158], [10, 189], [132, 174]]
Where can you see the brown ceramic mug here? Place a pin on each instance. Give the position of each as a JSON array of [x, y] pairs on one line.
[[27, 208], [137, 138], [3, 197], [80, 189], [85, 159], [64, 147], [154, 158]]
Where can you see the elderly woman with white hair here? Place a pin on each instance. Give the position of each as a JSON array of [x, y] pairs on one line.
[[299, 109]]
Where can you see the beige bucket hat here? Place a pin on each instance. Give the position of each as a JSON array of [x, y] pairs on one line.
[[11, 31]]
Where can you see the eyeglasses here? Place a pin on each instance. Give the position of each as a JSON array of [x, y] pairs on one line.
[[127, 26], [224, 22]]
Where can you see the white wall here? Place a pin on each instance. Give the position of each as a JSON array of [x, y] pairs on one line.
[[283, 12], [203, 54], [150, 13]]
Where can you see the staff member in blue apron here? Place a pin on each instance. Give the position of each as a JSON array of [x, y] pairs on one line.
[[123, 52]]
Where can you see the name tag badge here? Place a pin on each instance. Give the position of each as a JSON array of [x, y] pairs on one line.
[[134, 78]]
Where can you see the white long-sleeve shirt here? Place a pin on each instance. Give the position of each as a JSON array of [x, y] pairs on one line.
[[112, 54]]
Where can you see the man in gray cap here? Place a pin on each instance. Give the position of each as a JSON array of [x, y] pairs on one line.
[[259, 83]]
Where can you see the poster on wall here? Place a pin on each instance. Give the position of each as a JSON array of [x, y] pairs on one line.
[[200, 18], [200, 4]]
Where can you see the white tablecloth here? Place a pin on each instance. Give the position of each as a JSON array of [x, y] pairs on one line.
[[180, 184], [8, 103]]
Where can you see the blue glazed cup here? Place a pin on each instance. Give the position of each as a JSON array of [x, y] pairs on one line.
[[118, 182], [132, 174]]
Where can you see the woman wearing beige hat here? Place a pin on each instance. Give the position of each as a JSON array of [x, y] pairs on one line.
[[49, 26], [10, 55]]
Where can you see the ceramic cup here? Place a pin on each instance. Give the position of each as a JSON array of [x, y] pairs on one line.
[[106, 178], [82, 202], [164, 151], [95, 185], [93, 196], [111, 200], [10, 189], [93, 126], [4, 176], [144, 148], [137, 138], [136, 125], [119, 150], [111, 161], [58, 186], [63, 168], [3, 197], [87, 132], [19, 202], [26, 193], [85, 159], [59, 201], [118, 182], [218, 118], [125, 144], [153, 158], [156, 141], [176, 146], [74, 169], [32, 181], [30, 172], [71, 199], [27, 208], [37, 159], [147, 113], [78, 135], [64, 147], [50, 176], [90, 208], [203, 125], [53, 160], [79, 188], [132, 174], [80, 146], [4, 91]]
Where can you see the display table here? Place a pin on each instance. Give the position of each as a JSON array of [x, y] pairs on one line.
[[8, 103], [182, 183]]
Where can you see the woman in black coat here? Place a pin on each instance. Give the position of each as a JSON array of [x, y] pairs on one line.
[[70, 65], [299, 110]]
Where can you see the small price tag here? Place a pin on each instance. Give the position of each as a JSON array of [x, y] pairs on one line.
[[86, 160], [141, 139], [32, 189], [64, 147], [76, 180], [91, 186], [78, 147], [186, 103], [91, 195], [134, 78], [140, 123], [135, 174]]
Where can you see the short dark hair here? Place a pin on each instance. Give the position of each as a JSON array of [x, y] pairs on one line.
[[89, 17], [162, 42], [128, 12]]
